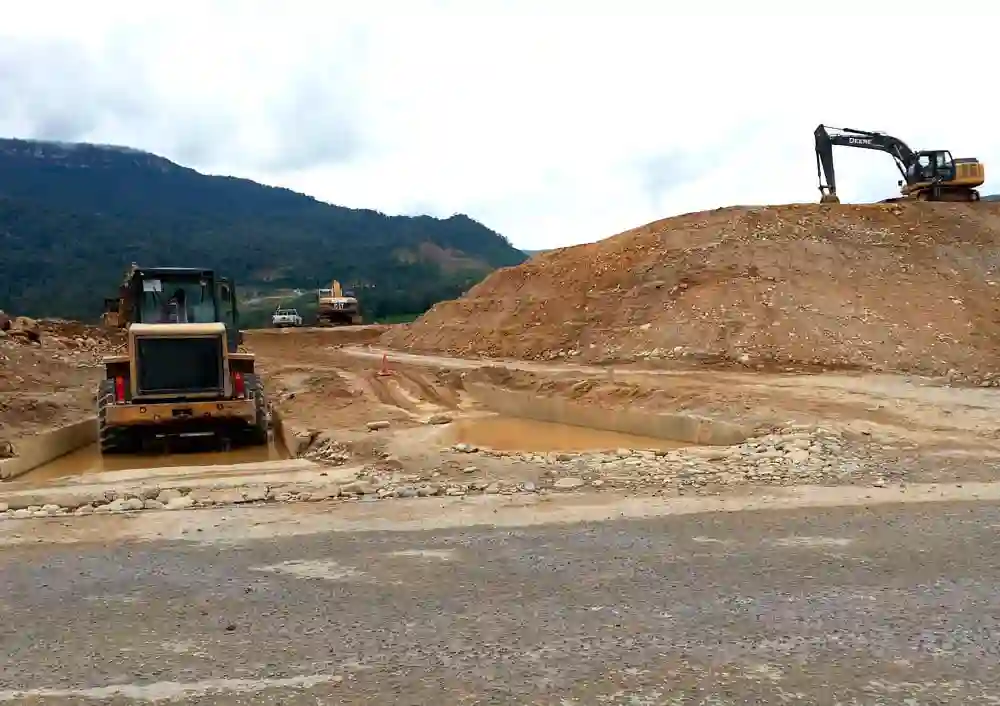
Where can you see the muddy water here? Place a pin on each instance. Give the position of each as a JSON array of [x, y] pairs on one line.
[[89, 460], [512, 434]]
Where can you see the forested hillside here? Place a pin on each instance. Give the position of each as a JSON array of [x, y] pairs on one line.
[[73, 216]]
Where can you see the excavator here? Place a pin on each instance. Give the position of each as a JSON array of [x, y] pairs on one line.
[[928, 175]]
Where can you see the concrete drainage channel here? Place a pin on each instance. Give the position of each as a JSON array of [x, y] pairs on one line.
[[705, 446], [34, 451], [136, 488]]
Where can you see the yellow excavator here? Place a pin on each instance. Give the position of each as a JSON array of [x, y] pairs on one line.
[[928, 175], [337, 307]]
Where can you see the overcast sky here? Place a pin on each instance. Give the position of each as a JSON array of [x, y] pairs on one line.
[[552, 129]]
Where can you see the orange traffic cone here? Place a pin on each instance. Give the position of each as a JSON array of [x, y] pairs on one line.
[[384, 369]]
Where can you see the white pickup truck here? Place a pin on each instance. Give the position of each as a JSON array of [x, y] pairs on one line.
[[285, 317]]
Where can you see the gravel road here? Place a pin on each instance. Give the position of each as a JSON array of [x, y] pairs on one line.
[[894, 605]]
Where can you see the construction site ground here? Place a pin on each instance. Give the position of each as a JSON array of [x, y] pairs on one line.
[[417, 431], [831, 346]]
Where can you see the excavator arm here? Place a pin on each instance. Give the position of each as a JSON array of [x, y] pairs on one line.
[[827, 137]]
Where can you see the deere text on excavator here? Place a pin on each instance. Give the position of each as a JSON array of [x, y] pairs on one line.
[[928, 175]]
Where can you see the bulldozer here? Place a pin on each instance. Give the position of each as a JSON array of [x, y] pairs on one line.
[[336, 307], [184, 371], [928, 175]]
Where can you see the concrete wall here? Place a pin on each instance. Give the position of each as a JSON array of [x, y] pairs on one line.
[[686, 428], [34, 451], [295, 440]]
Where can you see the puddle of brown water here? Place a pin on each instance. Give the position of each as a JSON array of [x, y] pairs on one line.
[[512, 434], [89, 460]]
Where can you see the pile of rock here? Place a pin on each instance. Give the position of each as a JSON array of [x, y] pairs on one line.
[[789, 456], [328, 452], [20, 329]]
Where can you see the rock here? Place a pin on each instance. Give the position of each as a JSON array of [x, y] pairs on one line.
[[470, 469], [119, 505], [256, 493], [454, 491], [4, 507], [710, 453], [358, 487], [623, 453], [567, 483], [406, 491], [152, 504], [428, 490], [465, 448], [132, 504], [168, 494], [149, 492], [325, 492], [84, 510], [50, 507], [22, 514], [180, 503], [225, 496], [492, 488], [798, 456], [439, 419], [375, 426], [563, 458], [597, 483], [528, 487]]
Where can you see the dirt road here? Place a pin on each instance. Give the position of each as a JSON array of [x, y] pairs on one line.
[[852, 606]]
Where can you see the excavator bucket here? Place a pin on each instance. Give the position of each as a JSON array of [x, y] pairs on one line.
[[829, 198]]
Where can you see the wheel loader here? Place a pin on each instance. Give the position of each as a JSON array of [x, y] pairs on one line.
[[183, 372]]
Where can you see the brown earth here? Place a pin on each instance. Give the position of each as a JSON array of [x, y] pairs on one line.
[[327, 383], [50, 381], [903, 287]]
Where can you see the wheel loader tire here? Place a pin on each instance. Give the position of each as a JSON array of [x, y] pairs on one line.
[[257, 433], [112, 440]]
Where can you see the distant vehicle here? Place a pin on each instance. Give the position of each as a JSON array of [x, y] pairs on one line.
[[336, 307], [282, 318]]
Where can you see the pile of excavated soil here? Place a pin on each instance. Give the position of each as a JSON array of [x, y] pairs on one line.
[[907, 287], [49, 379]]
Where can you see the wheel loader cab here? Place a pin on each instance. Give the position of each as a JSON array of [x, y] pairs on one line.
[[183, 372]]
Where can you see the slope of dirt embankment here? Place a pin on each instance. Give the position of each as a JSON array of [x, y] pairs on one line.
[[907, 287], [49, 378]]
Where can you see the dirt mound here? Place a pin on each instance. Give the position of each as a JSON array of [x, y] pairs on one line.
[[910, 287], [49, 377]]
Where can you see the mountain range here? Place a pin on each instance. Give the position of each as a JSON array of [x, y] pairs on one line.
[[73, 216]]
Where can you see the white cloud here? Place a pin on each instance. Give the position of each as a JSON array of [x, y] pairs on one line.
[[552, 128]]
